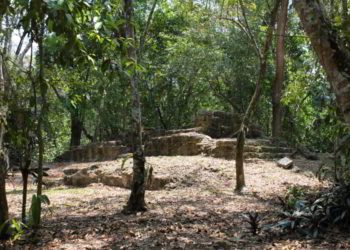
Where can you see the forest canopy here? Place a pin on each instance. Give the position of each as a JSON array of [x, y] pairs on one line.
[[75, 73]]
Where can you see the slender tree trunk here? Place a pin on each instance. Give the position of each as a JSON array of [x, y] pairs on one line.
[[43, 112], [24, 173], [345, 13], [76, 129], [136, 200], [280, 64], [332, 9], [3, 152], [161, 119], [330, 49], [240, 180]]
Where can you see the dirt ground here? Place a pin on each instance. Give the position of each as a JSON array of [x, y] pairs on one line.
[[197, 210]]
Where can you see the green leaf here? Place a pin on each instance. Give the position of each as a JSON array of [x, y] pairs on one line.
[[44, 199], [69, 18], [35, 211], [50, 25], [98, 25]]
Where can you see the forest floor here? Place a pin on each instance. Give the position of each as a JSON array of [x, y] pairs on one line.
[[197, 210]]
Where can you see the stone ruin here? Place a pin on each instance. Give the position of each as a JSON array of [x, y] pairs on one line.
[[109, 175], [102, 151], [193, 143], [219, 124], [213, 135]]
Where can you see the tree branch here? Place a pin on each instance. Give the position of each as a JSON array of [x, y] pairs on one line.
[[145, 32]]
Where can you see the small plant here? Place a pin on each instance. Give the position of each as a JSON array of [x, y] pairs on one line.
[[254, 221], [293, 195], [311, 218], [13, 229], [35, 209], [292, 218]]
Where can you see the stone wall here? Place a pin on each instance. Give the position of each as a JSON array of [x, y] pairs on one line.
[[192, 143], [102, 151], [219, 124], [187, 143]]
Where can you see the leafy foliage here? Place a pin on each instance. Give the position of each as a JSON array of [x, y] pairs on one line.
[[311, 218], [15, 229], [35, 209], [293, 195]]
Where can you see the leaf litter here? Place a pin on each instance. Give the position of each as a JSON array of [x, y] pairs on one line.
[[196, 210]]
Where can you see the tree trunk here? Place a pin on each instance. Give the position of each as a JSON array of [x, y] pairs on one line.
[[345, 13], [136, 202], [280, 63], [161, 119], [42, 116], [330, 49], [332, 9], [3, 153], [76, 129], [24, 173], [240, 180]]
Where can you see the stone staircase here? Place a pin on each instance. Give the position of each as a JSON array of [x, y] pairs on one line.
[[267, 152]]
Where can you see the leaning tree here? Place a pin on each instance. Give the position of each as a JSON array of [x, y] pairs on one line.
[[330, 49]]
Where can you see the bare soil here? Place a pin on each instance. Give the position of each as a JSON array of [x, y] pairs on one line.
[[197, 210]]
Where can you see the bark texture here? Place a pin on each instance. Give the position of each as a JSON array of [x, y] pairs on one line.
[[76, 129], [345, 13], [330, 49], [136, 202], [280, 65], [24, 173], [3, 152], [44, 109]]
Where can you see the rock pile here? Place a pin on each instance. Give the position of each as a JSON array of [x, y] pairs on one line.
[[110, 177]]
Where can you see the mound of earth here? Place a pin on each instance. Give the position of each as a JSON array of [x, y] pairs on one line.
[[197, 209]]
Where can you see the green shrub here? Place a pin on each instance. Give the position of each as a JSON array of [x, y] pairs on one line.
[[332, 208]]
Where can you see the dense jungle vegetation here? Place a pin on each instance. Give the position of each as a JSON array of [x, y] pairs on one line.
[[76, 72]]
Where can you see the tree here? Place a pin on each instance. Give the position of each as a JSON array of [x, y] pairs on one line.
[[4, 161], [263, 56], [345, 13], [3, 152], [280, 69], [136, 200], [330, 49]]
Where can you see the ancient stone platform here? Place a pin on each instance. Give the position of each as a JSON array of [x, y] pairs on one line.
[[211, 136], [193, 143], [180, 142], [220, 124], [103, 151]]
